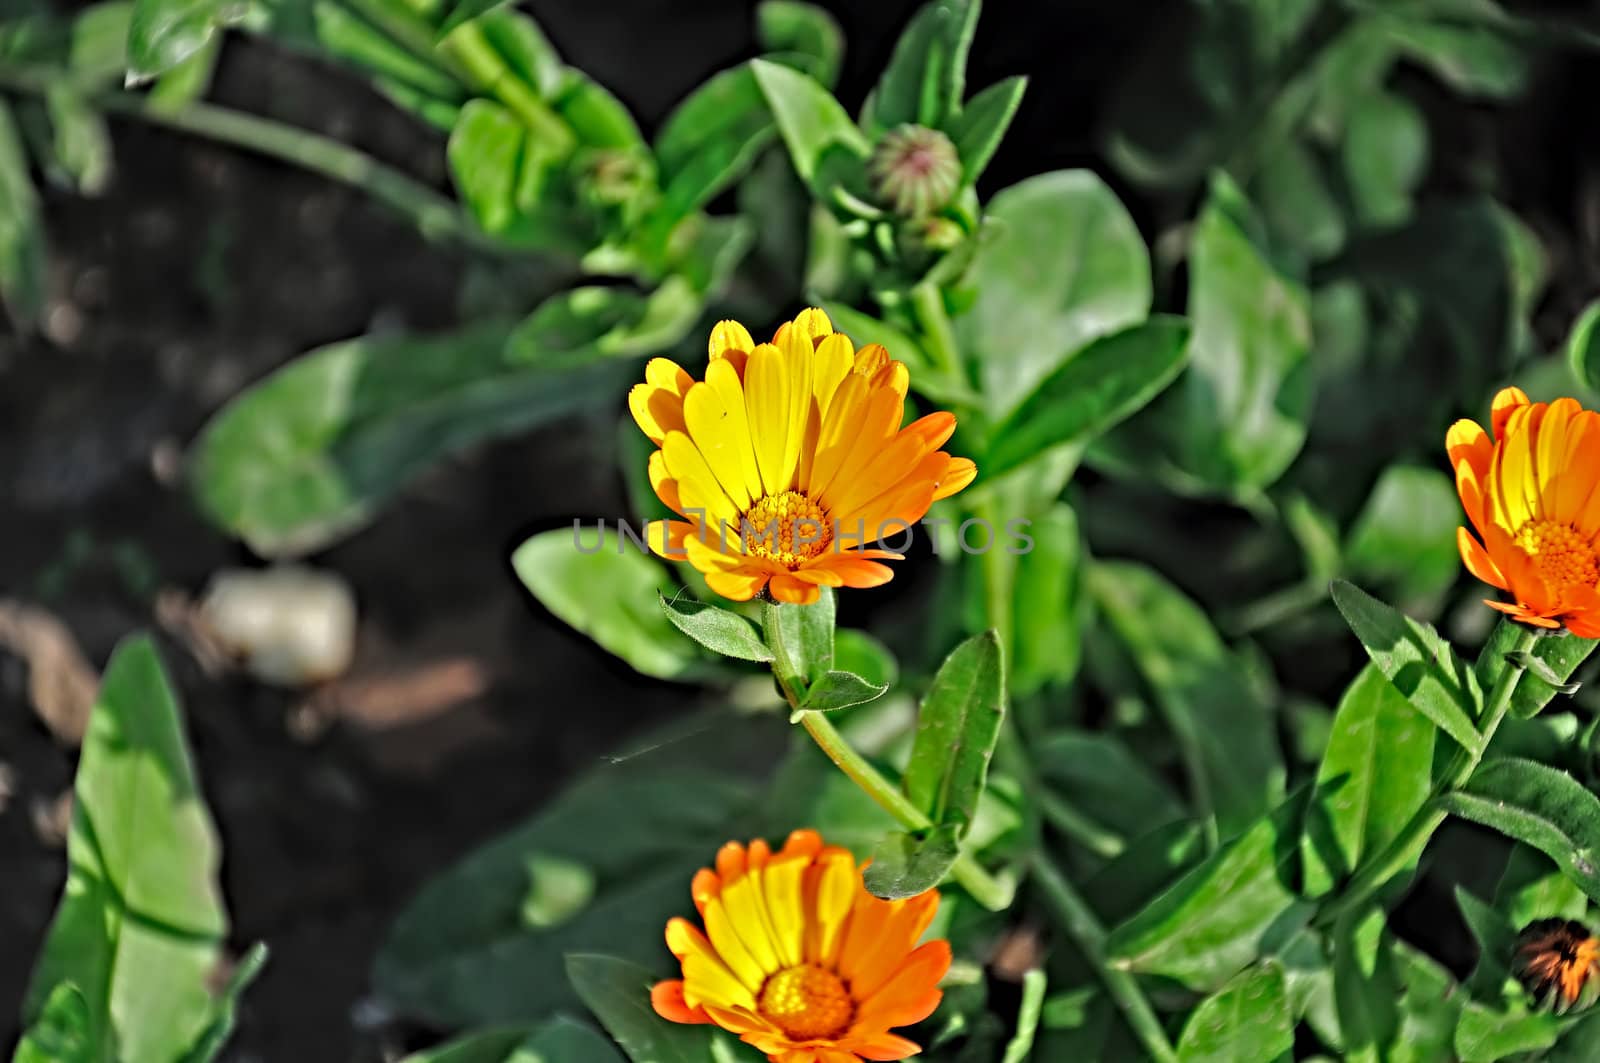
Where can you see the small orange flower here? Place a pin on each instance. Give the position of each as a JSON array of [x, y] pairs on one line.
[[1532, 493], [1555, 960], [788, 459], [801, 961]]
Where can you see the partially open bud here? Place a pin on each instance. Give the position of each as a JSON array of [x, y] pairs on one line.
[[915, 170]]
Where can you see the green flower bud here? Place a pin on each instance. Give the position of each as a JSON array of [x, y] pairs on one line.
[[915, 170]]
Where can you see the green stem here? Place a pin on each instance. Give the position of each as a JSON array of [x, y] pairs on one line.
[[1406, 846], [433, 214], [1077, 826], [1079, 920], [486, 69]]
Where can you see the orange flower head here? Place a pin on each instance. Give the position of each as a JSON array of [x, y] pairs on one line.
[[799, 960], [788, 459], [1532, 493], [1555, 960]]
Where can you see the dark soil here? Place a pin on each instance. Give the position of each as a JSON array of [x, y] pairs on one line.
[[202, 269]]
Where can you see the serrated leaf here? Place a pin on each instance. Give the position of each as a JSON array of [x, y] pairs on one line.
[[141, 924], [1420, 663], [1538, 806], [1032, 314], [927, 74], [980, 126], [904, 865], [812, 123], [957, 728], [604, 590], [1376, 774], [1246, 1021], [1222, 915], [718, 630], [618, 992], [1219, 719], [840, 690], [1104, 384]]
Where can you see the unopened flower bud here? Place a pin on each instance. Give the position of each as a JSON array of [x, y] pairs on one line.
[[915, 170]]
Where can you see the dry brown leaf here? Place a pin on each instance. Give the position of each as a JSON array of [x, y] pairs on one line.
[[62, 685]]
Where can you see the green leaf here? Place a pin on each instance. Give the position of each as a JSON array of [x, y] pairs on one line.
[[214, 1037], [1561, 654], [1223, 915], [1032, 314], [618, 992], [1420, 663], [1299, 207], [1104, 384], [1218, 717], [1533, 887], [1375, 775], [800, 31], [1366, 985], [904, 865], [1430, 1007], [562, 1040], [1583, 347], [957, 728], [980, 126], [463, 952], [504, 175], [82, 144], [1485, 1034], [163, 33], [1538, 806], [1096, 773], [604, 588], [310, 453], [141, 924], [1238, 417], [807, 632], [1246, 1021], [718, 630], [1405, 537], [710, 140], [60, 1033], [858, 652], [1476, 60], [22, 242], [927, 74], [496, 1045], [1385, 156], [840, 690], [1050, 605], [810, 120]]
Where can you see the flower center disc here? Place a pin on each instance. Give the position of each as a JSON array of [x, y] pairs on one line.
[[807, 1002], [787, 528], [1561, 554]]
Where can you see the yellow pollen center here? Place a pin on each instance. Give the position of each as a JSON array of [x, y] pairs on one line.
[[786, 527], [807, 1002], [1563, 556]]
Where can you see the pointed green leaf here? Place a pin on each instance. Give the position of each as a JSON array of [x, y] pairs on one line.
[[1533, 887], [1222, 725], [618, 992], [1583, 347], [1222, 915], [1246, 1021], [840, 690], [927, 74], [812, 123], [904, 865], [806, 35], [215, 1036], [957, 728], [1561, 654], [141, 924], [1538, 806], [1104, 384], [1365, 986], [980, 126], [1376, 774], [718, 630], [711, 139], [1420, 663], [163, 33]]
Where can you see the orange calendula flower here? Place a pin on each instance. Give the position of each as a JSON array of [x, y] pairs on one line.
[[788, 459], [1556, 959], [1532, 493], [799, 960]]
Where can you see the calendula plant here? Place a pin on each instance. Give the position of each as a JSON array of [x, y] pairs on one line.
[[1101, 774]]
